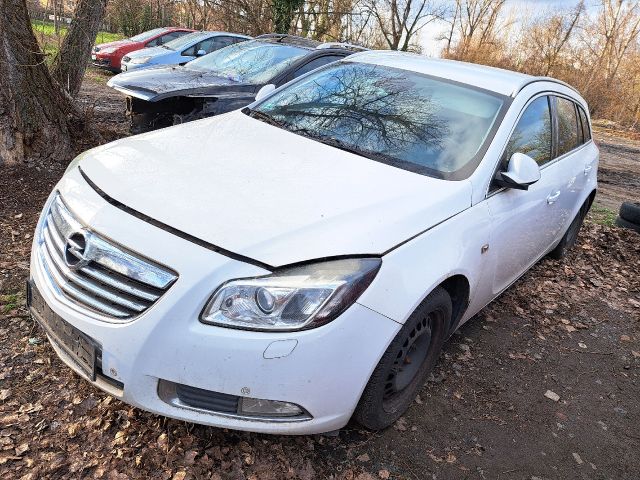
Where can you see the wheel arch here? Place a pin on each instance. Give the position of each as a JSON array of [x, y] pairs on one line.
[[591, 198], [458, 288]]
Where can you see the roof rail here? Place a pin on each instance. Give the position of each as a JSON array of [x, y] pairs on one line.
[[347, 46], [289, 39], [542, 79]]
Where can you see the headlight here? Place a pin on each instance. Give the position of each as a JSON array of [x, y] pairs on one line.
[[297, 298], [140, 59], [109, 50]]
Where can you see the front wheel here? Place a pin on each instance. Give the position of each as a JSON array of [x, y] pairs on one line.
[[408, 360]]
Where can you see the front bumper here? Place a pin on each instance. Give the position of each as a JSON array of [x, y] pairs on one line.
[[130, 66], [323, 370], [105, 62]]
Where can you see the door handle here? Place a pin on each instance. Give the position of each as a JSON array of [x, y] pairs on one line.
[[587, 169], [553, 197]]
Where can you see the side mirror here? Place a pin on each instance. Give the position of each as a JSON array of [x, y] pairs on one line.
[[522, 171], [264, 91], [201, 53]]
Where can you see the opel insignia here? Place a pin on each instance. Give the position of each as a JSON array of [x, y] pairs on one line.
[[298, 263]]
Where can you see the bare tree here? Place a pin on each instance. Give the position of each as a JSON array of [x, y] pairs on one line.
[[37, 117], [71, 61], [477, 24], [619, 27], [401, 20], [547, 38]]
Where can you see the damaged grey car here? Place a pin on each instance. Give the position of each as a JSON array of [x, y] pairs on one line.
[[222, 81]]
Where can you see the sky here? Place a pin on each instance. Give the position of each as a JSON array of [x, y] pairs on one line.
[[429, 34]]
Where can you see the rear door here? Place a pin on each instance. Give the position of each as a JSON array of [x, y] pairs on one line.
[[574, 161], [525, 222]]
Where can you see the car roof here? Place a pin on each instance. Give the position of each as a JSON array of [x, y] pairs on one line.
[[504, 82], [180, 29]]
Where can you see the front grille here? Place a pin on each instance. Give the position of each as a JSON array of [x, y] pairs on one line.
[[92, 274]]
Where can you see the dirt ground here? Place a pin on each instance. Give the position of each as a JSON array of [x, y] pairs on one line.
[[542, 384], [619, 172]]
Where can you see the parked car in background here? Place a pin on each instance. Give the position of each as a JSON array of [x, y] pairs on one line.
[[180, 50], [221, 81], [291, 265], [108, 55]]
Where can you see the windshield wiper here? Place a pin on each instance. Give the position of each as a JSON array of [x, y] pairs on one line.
[[334, 142], [265, 118], [305, 132]]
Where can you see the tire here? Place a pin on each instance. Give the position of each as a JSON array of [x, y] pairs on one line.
[[621, 222], [630, 212], [569, 238], [395, 381]]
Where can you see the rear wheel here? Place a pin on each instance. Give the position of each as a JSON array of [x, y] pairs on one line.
[[571, 235], [405, 365]]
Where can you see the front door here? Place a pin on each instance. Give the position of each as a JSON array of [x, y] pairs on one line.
[[526, 222]]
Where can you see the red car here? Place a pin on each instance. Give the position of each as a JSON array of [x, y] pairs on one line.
[[108, 55]]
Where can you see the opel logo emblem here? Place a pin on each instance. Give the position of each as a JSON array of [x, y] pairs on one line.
[[74, 250]]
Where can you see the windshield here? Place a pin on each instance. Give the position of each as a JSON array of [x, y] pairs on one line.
[[412, 121], [250, 62], [141, 37], [185, 40]]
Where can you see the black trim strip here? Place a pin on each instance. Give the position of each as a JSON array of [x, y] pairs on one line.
[[172, 230], [236, 256]]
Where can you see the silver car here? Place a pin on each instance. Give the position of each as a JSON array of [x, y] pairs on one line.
[[181, 50]]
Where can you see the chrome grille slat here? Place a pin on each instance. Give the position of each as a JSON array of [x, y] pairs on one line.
[[117, 284], [93, 275], [77, 294], [55, 235], [93, 288]]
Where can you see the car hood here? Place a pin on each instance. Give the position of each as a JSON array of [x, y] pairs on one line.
[[116, 43], [268, 194], [154, 84]]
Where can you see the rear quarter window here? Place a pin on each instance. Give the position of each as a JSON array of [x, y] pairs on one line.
[[584, 120]]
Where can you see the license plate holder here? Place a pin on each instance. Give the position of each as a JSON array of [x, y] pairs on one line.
[[80, 347]]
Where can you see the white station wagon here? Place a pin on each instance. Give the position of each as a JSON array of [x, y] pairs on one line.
[[286, 267]]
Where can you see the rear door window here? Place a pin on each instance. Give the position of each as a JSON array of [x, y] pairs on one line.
[[532, 135], [221, 42], [567, 125]]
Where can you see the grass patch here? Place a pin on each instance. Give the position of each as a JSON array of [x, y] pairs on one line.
[[46, 28], [50, 42], [602, 215], [97, 76], [9, 302]]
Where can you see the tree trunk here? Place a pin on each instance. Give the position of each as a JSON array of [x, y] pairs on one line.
[[71, 61], [283, 13], [37, 117]]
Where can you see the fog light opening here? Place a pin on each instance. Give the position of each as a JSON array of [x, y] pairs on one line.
[[271, 408]]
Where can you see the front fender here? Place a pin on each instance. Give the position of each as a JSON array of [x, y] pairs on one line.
[[411, 271]]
